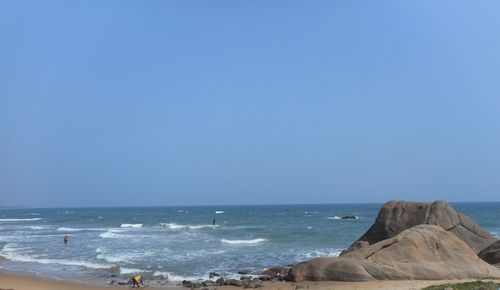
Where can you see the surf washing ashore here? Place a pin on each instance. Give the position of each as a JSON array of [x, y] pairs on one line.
[[173, 244]]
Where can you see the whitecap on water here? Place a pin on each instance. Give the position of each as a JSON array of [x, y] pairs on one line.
[[219, 212], [243, 242], [130, 225], [124, 271], [346, 219], [113, 234], [179, 278], [320, 253], [65, 229], [20, 220], [37, 227], [174, 226], [333, 218]]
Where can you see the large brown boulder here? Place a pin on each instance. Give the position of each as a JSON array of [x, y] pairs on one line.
[[491, 254], [424, 252], [397, 216]]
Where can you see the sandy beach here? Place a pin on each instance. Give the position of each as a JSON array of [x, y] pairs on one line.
[[24, 282]]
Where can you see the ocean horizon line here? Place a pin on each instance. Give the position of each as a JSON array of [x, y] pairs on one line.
[[179, 206]]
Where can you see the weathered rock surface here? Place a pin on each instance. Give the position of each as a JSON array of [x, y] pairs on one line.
[[397, 216], [278, 273], [491, 254], [424, 252]]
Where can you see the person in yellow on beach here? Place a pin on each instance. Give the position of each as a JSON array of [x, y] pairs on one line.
[[137, 280]]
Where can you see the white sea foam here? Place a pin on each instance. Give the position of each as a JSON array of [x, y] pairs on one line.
[[309, 228], [333, 218], [11, 253], [113, 234], [37, 227], [243, 242], [320, 253], [20, 220], [124, 271], [161, 274], [174, 226], [340, 218], [120, 257], [177, 278], [130, 225], [65, 229], [219, 212]]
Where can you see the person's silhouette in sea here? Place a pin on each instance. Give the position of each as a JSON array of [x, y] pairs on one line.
[[66, 239]]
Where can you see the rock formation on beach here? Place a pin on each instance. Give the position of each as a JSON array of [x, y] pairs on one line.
[[423, 252], [491, 254], [397, 216]]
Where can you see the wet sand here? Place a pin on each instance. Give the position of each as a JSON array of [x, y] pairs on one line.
[[23, 282]]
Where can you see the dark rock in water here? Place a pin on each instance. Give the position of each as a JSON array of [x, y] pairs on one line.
[[234, 282], [424, 252], [244, 272], [213, 274], [265, 278], [208, 283], [349, 217], [221, 281], [187, 284], [491, 254], [397, 216], [276, 272]]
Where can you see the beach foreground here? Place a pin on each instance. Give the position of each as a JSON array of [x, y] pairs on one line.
[[18, 282]]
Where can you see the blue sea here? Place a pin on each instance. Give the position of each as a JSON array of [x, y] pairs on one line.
[[182, 242]]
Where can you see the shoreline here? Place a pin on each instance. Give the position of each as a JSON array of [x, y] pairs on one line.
[[24, 281]]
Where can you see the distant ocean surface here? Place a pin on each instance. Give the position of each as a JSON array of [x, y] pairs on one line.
[[181, 242]]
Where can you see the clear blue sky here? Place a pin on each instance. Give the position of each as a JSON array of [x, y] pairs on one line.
[[248, 102]]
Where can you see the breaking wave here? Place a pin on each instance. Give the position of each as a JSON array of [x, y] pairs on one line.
[[112, 234], [124, 271], [130, 225], [243, 242], [20, 220], [174, 226], [64, 229], [10, 252]]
